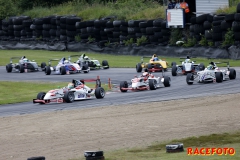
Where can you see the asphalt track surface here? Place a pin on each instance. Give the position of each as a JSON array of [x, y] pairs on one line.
[[178, 90]]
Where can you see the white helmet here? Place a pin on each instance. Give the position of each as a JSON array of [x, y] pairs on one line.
[[25, 60], [86, 58], [66, 61], [70, 86]]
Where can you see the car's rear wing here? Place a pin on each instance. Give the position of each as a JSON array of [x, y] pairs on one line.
[[14, 58], [97, 80], [50, 60], [76, 55]]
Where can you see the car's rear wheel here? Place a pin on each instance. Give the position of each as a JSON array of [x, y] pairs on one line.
[[201, 67], [48, 70], [167, 81], [189, 78], [219, 77], [85, 68], [99, 93], [139, 67], [9, 68], [173, 64], [152, 84], [21, 68], [105, 64], [174, 70], [43, 66], [62, 70], [232, 74], [68, 97], [123, 84]]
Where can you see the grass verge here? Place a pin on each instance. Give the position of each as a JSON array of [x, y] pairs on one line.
[[16, 92], [158, 151], [116, 61]]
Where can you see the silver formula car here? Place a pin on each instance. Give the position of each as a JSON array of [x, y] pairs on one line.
[[212, 74]]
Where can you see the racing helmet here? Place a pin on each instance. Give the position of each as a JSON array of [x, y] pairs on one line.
[[210, 67], [86, 58], [25, 60], [145, 74], [155, 59], [187, 60], [70, 86], [66, 61]]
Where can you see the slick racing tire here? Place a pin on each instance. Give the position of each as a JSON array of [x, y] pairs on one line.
[[21, 68], [9, 68], [174, 70], [232, 74], [105, 64], [123, 84], [48, 70], [201, 67], [99, 93], [139, 67], [219, 77], [41, 95], [167, 81], [68, 97], [149, 66], [152, 84], [43, 66], [173, 64], [85, 68], [188, 78], [62, 70]]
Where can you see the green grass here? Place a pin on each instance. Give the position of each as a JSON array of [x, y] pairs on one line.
[[158, 151], [115, 61], [16, 92]]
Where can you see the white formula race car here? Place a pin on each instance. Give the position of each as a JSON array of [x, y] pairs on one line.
[[145, 82], [65, 67], [212, 74], [186, 66], [77, 90]]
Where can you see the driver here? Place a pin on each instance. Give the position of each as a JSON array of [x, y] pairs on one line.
[[79, 84], [155, 57], [70, 86], [210, 67], [145, 75], [187, 60], [86, 58]]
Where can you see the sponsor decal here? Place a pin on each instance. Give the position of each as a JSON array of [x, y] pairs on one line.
[[81, 95], [211, 151]]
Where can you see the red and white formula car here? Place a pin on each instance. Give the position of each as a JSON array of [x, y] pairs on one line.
[[146, 81], [76, 90]]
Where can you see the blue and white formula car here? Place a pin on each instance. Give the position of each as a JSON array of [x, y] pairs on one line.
[[64, 66]]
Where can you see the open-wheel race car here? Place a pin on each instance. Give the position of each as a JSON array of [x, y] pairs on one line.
[[24, 65], [65, 66], [146, 81], [92, 63], [212, 74], [186, 66], [76, 90], [154, 65]]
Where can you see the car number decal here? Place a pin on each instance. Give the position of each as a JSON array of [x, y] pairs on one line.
[[81, 95]]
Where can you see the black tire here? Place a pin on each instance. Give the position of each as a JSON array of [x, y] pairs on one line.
[[139, 67], [232, 74], [43, 66], [62, 70], [174, 70], [105, 64], [68, 97], [167, 81], [21, 68], [41, 95], [149, 66], [123, 84], [9, 68], [173, 63], [152, 84], [99, 92], [48, 70], [201, 67], [36, 158], [189, 77], [85, 68], [219, 77]]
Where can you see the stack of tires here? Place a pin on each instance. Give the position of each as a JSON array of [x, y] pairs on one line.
[[236, 24], [26, 33], [71, 30], [36, 28], [207, 25], [217, 35], [166, 32], [157, 28]]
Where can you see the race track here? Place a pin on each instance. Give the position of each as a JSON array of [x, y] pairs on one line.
[[178, 90]]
